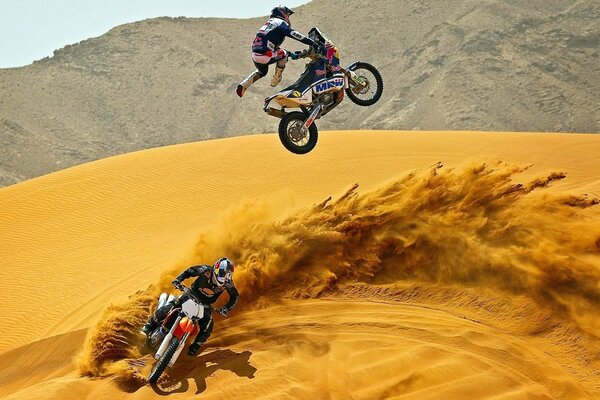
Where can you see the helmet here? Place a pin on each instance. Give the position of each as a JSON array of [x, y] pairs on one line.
[[222, 271], [282, 12]]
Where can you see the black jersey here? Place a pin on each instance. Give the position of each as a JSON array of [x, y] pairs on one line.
[[205, 289]]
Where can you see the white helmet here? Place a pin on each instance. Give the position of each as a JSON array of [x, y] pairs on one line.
[[222, 271]]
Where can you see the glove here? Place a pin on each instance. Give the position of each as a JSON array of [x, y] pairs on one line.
[[177, 285], [223, 311], [296, 55]]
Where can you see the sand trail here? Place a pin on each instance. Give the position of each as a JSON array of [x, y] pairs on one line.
[[107, 229], [350, 349]]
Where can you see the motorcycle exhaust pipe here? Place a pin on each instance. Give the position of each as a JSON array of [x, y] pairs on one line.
[[167, 339]]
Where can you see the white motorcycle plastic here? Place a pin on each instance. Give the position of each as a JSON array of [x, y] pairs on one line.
[[172, 334]]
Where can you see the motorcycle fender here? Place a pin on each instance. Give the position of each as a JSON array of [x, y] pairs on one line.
[[352, 66], [185, 326]]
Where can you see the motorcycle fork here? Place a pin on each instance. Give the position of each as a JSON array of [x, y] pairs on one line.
[[167, 339], [352, 76], [179, 349], [311, 118]]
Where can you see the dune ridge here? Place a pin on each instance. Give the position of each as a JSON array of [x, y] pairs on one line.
[[470, 227]]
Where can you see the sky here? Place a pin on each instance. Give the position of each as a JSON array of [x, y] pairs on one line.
[[33, 29]]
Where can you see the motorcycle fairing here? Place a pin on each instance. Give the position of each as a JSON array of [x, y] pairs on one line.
[[305, 81], [336, 82]]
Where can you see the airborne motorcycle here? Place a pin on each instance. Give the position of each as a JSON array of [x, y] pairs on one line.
[[320, 89], [178, 325]]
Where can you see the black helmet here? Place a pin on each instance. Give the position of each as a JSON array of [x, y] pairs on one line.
[[282, 12], [222, 271]]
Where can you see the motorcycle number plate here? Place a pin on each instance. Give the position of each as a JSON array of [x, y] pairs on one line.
[[192, 309]]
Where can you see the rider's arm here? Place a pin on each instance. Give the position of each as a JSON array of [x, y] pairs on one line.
[[301, 38], [233, 297], [196, 270], [296, 35]]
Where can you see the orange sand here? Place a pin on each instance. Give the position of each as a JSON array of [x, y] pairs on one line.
[[75, 241]]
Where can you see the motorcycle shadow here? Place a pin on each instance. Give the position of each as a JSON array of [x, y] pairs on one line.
[[176, 379]]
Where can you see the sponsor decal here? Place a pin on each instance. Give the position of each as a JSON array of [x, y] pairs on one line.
[[320, 71], [297, 35], [330, 84], [296, 93]]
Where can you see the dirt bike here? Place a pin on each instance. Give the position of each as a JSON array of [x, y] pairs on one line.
[[319, 90], [171, 335]]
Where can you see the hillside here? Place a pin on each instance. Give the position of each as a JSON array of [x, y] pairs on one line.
[[472, 279], [448, 65]]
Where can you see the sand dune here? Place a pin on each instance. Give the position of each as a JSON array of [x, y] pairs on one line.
[[503, 311]]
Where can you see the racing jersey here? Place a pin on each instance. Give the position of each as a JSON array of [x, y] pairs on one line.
[[205, 289], [272, 34]]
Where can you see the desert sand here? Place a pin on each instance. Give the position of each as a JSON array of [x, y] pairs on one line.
[[428, 281]]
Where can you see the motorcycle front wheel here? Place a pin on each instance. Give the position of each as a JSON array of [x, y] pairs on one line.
[[294, 137], [163, 361], [369, 93]]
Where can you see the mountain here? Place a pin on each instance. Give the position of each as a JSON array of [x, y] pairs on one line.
[[501, 65]]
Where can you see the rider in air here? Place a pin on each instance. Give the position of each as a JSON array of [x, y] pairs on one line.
[[266, 50], [210, 283]]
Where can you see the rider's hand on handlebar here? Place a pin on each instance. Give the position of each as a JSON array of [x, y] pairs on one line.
[[223, 311], [295, 55], [177, 285]]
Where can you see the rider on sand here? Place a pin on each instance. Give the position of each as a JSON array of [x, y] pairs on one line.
[[210, 283], [266, 50]]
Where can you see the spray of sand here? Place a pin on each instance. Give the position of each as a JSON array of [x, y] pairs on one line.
[[474, 227]]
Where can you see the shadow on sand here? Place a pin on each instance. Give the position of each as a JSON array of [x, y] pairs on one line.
[[176, 380]]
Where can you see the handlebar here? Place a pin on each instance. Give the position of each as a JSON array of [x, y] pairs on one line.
[[189, 292], [311, 52]]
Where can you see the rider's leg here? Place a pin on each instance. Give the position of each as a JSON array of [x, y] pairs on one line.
[[159, 315], [262, 67], [281, 58], [245, 84], [206, 326]]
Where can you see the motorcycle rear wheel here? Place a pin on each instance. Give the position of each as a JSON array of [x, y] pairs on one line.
[[163, 361], [291, 135], [366, 96]]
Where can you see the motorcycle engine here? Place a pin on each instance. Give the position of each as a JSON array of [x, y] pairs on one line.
[[325, 100]]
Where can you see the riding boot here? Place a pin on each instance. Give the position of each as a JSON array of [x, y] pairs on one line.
[[194, 347], [245, 84], [206, 327], [150, 326], [278, 72]]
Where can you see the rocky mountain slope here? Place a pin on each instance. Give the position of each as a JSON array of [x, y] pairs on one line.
[[447, 64]]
